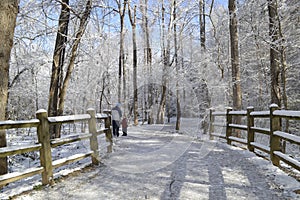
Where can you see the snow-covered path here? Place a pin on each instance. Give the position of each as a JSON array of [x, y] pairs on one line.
[[145, 166]]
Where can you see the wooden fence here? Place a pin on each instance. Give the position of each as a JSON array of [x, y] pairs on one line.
[[45, 144], [276, 135]]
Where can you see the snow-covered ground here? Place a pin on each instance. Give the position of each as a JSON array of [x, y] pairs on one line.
[[154, 162]]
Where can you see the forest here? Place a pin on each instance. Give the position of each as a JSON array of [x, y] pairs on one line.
[[162, 59]]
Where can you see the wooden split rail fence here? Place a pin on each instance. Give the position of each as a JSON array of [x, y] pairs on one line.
[[276, 135], [45, 144]]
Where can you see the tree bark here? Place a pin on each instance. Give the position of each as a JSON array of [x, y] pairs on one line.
[[235, 63], [148, 62], [121, 51], [79, 34], [277, 57], [135, 90], [274, 52], [8, 16], [161, 108], [178, 109], [202, 22], [57, 65], [166, 65]]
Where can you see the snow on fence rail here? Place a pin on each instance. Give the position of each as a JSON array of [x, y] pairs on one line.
[[45, 144], [274, 132]]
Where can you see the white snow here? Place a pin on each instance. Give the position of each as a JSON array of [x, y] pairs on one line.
[[236, 139], [260, 146], [41, 111], [288, 113], [290, 137], [69, 118], [12, 149], [154, 162], [260, 113], [273, 105], [287, 158], [281, 113], [219, 113], [261, 130], [101, 116], [238, 112], [238, 126], [34, 122]]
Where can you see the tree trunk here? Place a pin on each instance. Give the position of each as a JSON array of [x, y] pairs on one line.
[[57, 65], [79, 34], [161, 108], [8, 16], [135, 95], [166, 66], [135, 90], [277, 57], [283, 72], [178, 116], [218, 59], [202, 22], [235, 63], [274, 52], [148, 61], [121, 51], [104, 80]]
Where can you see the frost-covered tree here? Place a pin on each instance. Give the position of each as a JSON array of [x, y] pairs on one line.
[[58, 64], [8, 15], [234, 52], [204, 77]]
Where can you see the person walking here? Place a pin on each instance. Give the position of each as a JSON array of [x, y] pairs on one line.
[[116, 115], [124, 126]]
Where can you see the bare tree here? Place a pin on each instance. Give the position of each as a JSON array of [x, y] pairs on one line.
[[278, 61], [79, 33], [235, 62], [8, 16], [178, 116], [166, 50], [274, 52], [148, 61], [132, 18], [166, 60], [217, 40], [202, 22], [121, 11], [105, 86], [58, 63], [234, 50], [59, 81]]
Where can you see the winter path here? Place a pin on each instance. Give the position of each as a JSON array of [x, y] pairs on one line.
[[153, 163]]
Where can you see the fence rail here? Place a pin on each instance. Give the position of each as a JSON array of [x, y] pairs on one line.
[[19, 124], [274, 132], [45, 144]]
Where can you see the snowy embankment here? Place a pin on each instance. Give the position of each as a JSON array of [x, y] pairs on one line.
[[154, 162]]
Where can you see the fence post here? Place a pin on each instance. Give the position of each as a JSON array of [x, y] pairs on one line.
[[45, 152], [274, 140], [250, 132], [108, 133], [93, 138], [211, 123], [228, 129]]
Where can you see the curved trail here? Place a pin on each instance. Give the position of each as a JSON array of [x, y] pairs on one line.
[[215, 172]]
